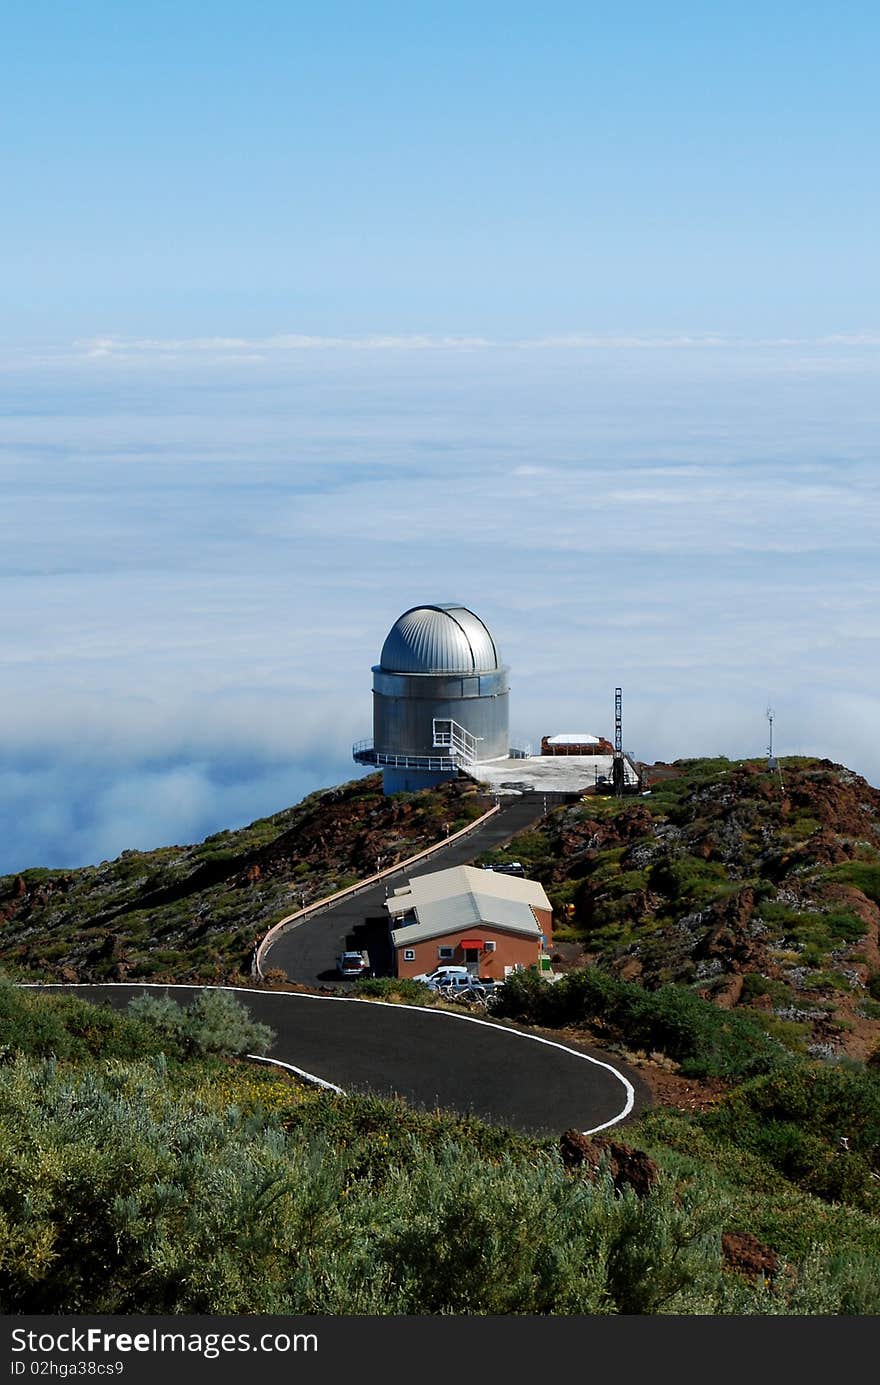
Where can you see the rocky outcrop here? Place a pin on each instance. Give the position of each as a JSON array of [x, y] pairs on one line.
[[745, 1254], [625, 1166], [729, 872]]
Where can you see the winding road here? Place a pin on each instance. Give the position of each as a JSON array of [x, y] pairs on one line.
[[307, 952], [431, 1058]]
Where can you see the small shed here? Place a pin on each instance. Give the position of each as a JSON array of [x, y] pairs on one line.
[[575, 743]]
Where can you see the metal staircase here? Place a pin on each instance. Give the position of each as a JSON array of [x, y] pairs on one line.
[[451, 735]]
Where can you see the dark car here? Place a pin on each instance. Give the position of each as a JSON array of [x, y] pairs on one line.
[[509, 868]]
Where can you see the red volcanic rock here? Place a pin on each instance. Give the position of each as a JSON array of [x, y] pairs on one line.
[[747, 1255], [627, 1167]]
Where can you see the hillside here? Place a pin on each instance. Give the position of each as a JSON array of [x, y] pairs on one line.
[[191, 913], [166, 1176], [757, 890], [722, 932]]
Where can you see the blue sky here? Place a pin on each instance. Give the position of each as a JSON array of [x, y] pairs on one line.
[[312, 313], [181, 169]]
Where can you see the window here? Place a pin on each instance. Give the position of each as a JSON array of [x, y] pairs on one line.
[[409, 954], [445, 953], [489, 946]]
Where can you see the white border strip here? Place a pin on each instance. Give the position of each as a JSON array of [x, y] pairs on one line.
[[356, 1000], [300, 1072]]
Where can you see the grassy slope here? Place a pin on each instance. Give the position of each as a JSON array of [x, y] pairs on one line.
[[191, 913], [766, 903], [354, 1204]]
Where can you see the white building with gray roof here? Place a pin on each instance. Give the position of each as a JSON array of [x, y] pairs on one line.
[[489, 922]]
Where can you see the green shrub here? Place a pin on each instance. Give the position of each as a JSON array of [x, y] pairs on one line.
[[815, 934], [798, 1118], [825, 981], [131, 1188], [688, 881], [43, 1025], [215, 1022], [706, 1041], [135, 1205], [164, 1016], [755, 984], [865, 875]]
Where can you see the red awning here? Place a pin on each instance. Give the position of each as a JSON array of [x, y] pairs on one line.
[[472, 942]]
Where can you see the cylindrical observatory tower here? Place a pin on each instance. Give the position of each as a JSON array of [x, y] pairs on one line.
[[440, 698]]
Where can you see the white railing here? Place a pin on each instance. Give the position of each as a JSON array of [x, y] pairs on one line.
[[363, 752], [520, 752], [462, 745], [449, 736], [456, 740]]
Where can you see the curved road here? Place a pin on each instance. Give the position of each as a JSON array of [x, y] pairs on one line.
[[308, 951], [431, 1058]]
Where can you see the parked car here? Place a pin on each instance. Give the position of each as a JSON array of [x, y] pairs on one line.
[[441, 974], [353, 964], [509, 868], [454, 983], [457, 984]]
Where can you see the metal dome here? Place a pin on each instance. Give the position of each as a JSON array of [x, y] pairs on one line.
[[439, 639]]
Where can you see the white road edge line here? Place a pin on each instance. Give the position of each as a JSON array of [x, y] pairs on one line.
[[357, 1000], [300, 1072]]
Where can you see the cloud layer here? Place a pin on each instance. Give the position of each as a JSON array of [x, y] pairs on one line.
[[281, 344], [199, 570]]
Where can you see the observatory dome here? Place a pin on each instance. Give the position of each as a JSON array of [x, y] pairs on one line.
[[439, 639]]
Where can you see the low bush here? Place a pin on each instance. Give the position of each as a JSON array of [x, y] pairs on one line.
[[43, 1025], [214, 1023], [865, 875], [400, 989], [688, 881], [203, 1186], [819, 1126], [705, 1041], [136, 1204], [754, 984], [814, 934]]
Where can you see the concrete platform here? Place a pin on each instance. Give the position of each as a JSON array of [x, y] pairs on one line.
[[547, 773]]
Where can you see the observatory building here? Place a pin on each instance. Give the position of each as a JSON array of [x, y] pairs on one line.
[[440, 699]]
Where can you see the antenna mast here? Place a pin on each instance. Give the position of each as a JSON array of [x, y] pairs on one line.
[[617, 770], [772, 762]]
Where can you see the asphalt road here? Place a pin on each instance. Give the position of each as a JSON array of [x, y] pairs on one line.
[[433, 1059], [308, 952]]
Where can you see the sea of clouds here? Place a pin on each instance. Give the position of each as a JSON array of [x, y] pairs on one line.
[[205, 542]]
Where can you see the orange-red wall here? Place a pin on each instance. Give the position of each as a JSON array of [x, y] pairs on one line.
[[510, 949]]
